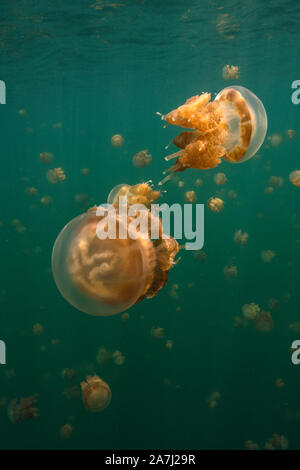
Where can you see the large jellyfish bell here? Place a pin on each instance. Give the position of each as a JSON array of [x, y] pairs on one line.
[[100, 277], [232, 126]]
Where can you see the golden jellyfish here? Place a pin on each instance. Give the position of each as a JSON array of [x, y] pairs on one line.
[[277, 442], [240, 322], [102, 264], [46, 200], [68, 374], [66, 431], [56, 175], [215, 204], [81, 198], [31, 191], [157, 332], [291, 134], [190, 196], [85, 171], [267, 256], [37, 329], [21, 112], [23, 409], [232, 127], [250, 445], [198, 182], [96, 394], [180, 184], [213, 399], [230, 72], [250, 311], [103, 355], [232, 194], [46, 157], [173, 292], [117, 140], [295, 178], [279, 383], [118, 358], [269, 190], [230, 271], [220, 178], [264, 322], [241, 237], [142, 159], [71, 392], [125, 317], [275, 181], [273, 303], [169, 344], [275, 140]]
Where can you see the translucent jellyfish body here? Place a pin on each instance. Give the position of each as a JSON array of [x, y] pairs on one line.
[[233, 127], [96, 394], [107, 275]]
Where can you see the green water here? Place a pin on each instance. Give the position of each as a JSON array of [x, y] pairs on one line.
[[100, 68]]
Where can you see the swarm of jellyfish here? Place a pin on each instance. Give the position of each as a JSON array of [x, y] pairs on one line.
[[232, 127]]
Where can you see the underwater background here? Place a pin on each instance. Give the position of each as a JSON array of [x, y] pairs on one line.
[[76, 73]]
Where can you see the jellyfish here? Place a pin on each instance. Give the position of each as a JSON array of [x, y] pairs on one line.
[[117, 140], [23, 409], [220, 178], [275, 181], [103, 355], [31, 191], [230, 72], [250, 311], [250, 445], [96, 394], [198, 182], [37, 329], [215, 204], [66, 431], [68, 374], [142, 159], [106, 275], [290, 134], [85, 171], [190, 196], [233, 127], [157, 332], [275, 140], [267, 256], [46, 157], [230, 271], [56, 175], [240, 237], [264, 322], [295, 178], [118, 358], [47, 200]]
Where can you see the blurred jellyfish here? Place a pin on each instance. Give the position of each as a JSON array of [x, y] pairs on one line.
[[269, 190], [291, 134], [213, 399], [142, 159], [190, 196], [240, 322], [232, 194], [201, 255], [173, 292], [215, 204], [295, 178], [56, 175], [240, 237], [230, 271], [31, 191], [233, 127], [277, 442], [37, 329], [96, 394], [180, 184], [81, 198], [220, 178], [66, 431], [103, 355], [250, 311], [57, 125], [117, 140], [22, 410], [198, 182], [250, 445], [267, 256], [46, 200], [230, 72], [46, 157], [275, 140], [273, 303], [279, 383], [125, 317], [68, 374], [157, 332], [169, 344], [275, 181], [85, 171], [118, 358], [21, 112], [71, 392], [264, 322]]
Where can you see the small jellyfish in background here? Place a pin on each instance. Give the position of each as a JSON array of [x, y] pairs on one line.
[[215, 204], [213, 399], [46, 200], [157, 332], [117, 140], [269, 190], [233, 127], [180, 184], [125, 317], [85, 171], [190, 196], [241, 237], [220, 178], [230, 271], [68, 374], [56, 175], [295, 178], [66, 431], [22, 112], [169, 344], [290, 134], [142, 159], [96, 394], [279, 383], [81, 198], [173, 292], [230, 72], [198, 182], [277, 442], [267, 256], [37, 329], [46, 157], [276, 181], [118, 358], [232, 194], [273, 303], [275, 140], [22, 410], [250, 311], [240, 322], [201, 256], [103, 355], [264, 322], [31, 191], [250, 445], [106, 276]]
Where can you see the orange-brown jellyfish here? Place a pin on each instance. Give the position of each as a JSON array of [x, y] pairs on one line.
[[233, 127], [22, 410], [295, 178], [106, 275], [142, 159], [96, 394]]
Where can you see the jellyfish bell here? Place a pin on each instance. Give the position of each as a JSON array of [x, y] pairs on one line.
[[96, 394], [233, 127]]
